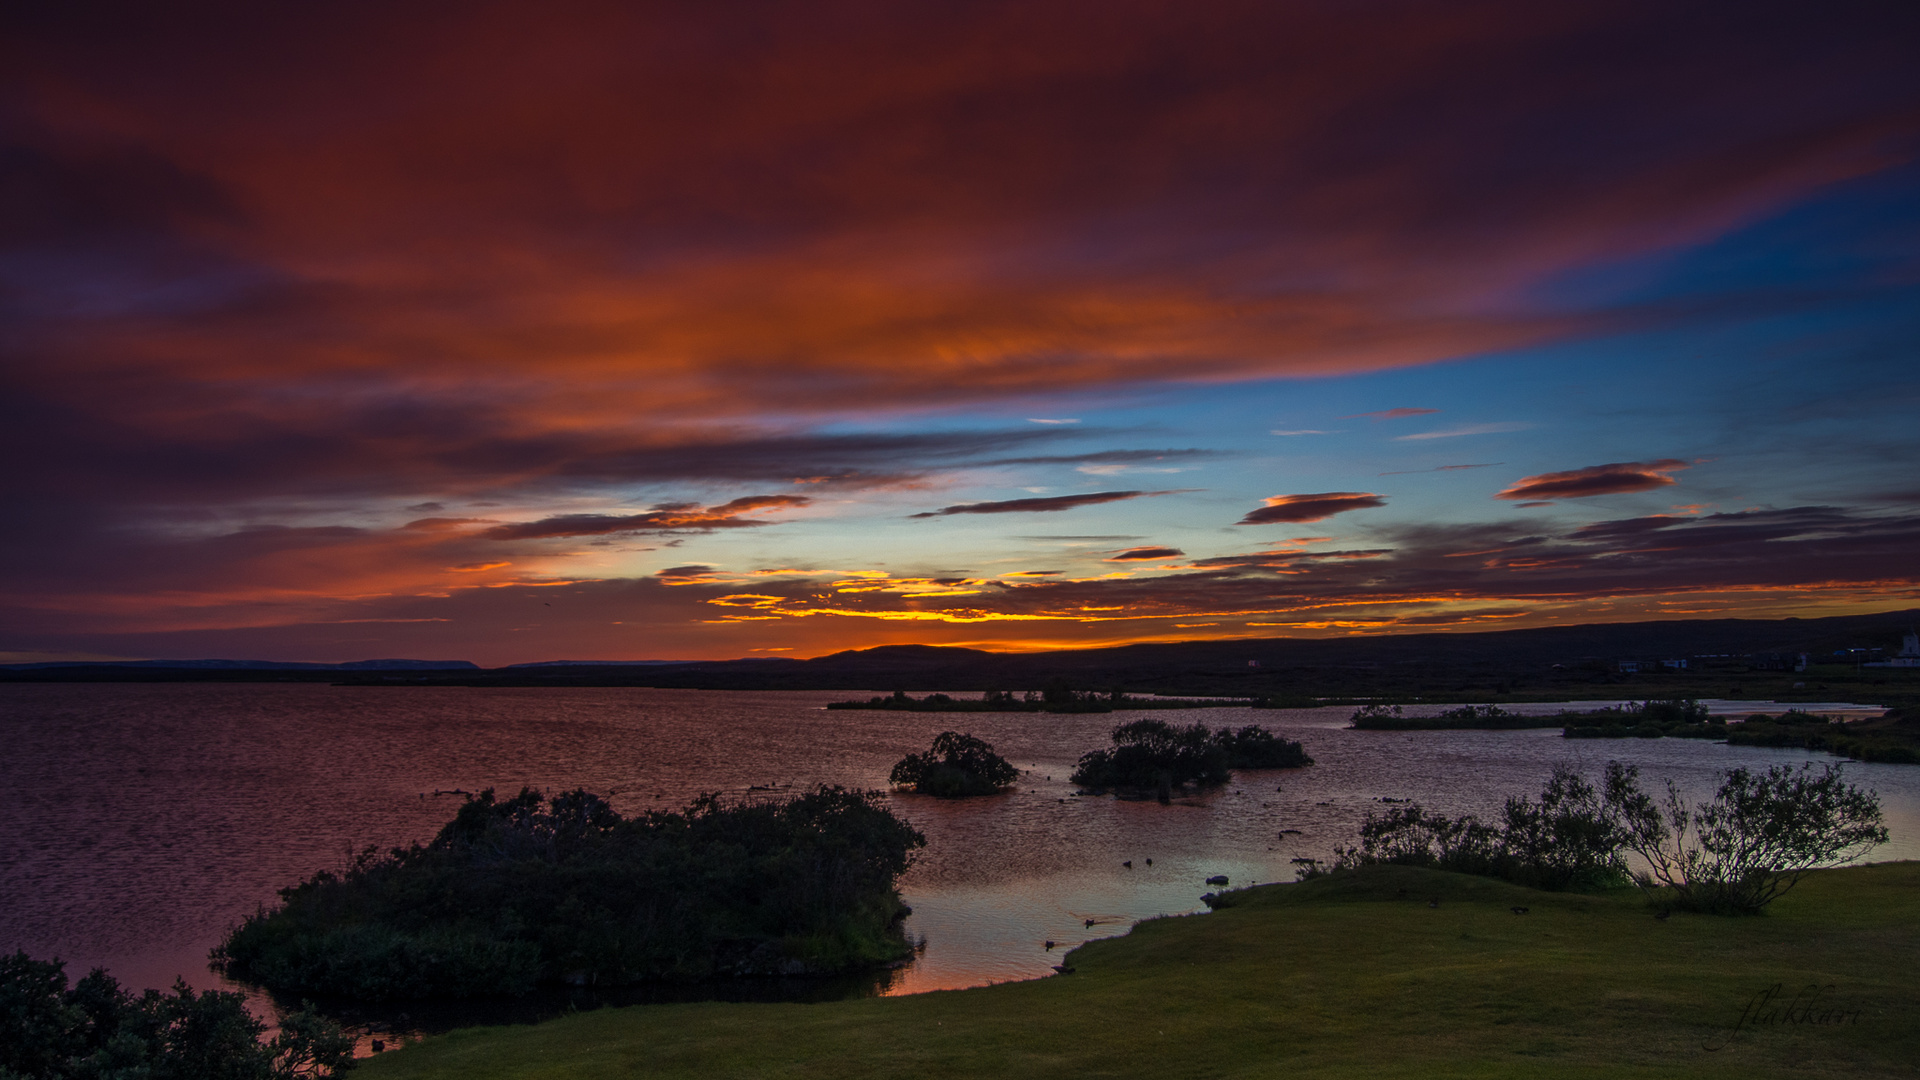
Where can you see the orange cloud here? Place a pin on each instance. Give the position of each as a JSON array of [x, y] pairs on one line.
[[1614, 479]]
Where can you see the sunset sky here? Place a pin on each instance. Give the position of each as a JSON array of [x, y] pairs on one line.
[[572, 330]]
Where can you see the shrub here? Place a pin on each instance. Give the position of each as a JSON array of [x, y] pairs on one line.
[[97, 1031], [1254, 747], [1409, 836], [1733, 855], [529, 890], [956, 766], [1567, 840], [1378, 717], [1751, 842], [1154, 756]]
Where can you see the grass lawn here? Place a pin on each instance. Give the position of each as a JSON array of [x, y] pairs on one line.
[[1348, 976]]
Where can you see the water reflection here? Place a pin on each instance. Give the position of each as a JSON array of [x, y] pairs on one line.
[[144, 820]]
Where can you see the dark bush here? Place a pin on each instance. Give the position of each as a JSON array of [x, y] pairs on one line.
[[1732, 855], [1152, 756], [1566, 840], [1757, 836], [956, 766], [1254, 747], [97, 1031], [525, 891]]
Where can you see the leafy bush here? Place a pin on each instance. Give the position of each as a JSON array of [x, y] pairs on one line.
[[1154, 756], [1378, 717], [1733, 854], [97, 1031], [1566, 840], [956, 766], [515, 893], [1254, 747], [1751, 842]]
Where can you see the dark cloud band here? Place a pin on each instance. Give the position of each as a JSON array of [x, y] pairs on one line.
[[1282, 509], [1046, 504], [674, 517]]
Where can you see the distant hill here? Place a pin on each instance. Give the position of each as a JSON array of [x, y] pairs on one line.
[[592, 663], [1544, 663], [1257, 665]]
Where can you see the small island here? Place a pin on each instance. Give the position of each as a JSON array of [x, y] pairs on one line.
[[516, 893], [957, 766], [1054, 699], [1464, 718], [1675, 718], [1893, 738], [1681, 718], [1151, 758]]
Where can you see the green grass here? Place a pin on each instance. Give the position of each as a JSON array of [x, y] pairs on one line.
[[1348, 976]]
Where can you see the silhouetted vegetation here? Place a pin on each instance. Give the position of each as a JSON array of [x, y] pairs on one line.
[[1152, 757], [1754, 840], [1733, 854], [1566, 840], [515, 893], [1475, 717], [956, 766], [1674, 718], [1893, 738], [1056, 698], [94, 1030], [1254, 747]]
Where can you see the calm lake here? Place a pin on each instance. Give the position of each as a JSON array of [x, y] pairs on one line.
[[143, 820]]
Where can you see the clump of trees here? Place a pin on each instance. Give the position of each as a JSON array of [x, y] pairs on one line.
[[1254, 747], [1155, 757], [955, 766], [1733, 854], [94, 1030], [1751, 842], [1567, 839], [528, 890]]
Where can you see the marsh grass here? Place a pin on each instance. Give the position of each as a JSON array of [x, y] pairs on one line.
[[1356, 974]]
